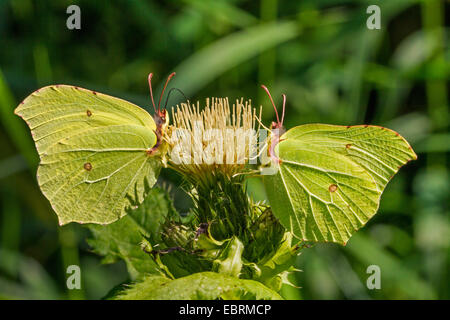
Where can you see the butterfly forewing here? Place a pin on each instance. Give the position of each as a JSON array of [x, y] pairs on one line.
[[56, 112], [378, 150], [330, 178], [93, 149]]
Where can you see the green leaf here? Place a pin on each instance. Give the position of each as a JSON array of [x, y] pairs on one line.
[[198, 286], [122, 239], [331, 178], [92, 147], [274, 270]]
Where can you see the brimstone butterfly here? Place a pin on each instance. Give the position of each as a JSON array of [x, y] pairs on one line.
[[99, 155], [330, 178]]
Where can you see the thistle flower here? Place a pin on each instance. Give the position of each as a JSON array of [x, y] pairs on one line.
[[213, 149], [216, 140]]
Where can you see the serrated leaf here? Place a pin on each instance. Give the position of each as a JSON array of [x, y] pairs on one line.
[[198, 286], [281, 262], [122, 239], [331, 178]]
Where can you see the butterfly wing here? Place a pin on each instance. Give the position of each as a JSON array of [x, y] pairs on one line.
[[93, 150], [331, 178]]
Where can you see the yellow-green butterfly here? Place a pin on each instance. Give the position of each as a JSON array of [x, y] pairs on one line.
[[99, 154], [330, 177]]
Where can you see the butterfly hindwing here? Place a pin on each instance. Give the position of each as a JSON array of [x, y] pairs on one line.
[[93, 150], [331, 178]]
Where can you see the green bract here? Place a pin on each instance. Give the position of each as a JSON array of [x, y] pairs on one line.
[[93, 150], [331, 178]]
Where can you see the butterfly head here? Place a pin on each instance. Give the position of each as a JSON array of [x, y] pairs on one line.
[[160, 118], [160, 114]]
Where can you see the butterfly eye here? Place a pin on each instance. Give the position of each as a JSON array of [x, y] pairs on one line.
[[162, 115]]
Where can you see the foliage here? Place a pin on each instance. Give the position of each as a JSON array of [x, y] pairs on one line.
[[155, 239], [122, 239]]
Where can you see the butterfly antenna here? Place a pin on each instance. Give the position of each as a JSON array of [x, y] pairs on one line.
[[151, 91], [273, 104], [284, 108], [165, 85], [170, 91]]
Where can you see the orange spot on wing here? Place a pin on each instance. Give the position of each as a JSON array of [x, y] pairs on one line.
[[88, 166], [332, 188]]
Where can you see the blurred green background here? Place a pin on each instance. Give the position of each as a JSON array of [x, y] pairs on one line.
[[319, 52]]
